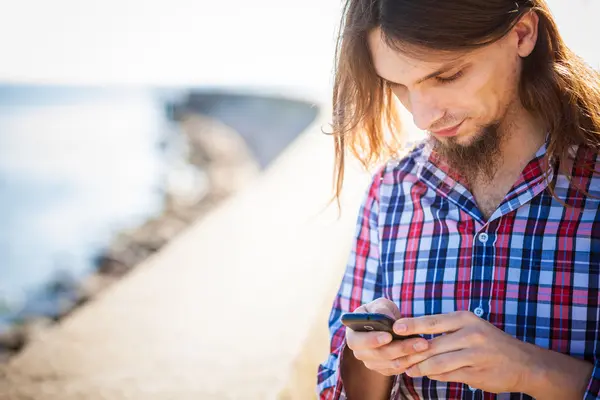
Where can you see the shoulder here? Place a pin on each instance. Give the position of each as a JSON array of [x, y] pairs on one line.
[[398, 172], [576, 180], [586, 168], [404, 169]]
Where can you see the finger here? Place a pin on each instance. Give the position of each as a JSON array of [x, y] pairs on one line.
[[433, 324], [384, 369], [442, 364], [439, 345], [462, 375], [398, 349], [384, 306], [358, 341], [402, 348], [398, 366], [384, 366], [380, 365], [361, 309]]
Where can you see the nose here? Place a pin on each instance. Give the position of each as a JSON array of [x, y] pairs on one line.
[[424, 110]]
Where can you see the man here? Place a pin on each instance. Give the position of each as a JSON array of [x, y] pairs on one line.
[[485, 239]]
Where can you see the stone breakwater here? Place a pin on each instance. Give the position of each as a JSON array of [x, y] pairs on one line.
[[221, 164]]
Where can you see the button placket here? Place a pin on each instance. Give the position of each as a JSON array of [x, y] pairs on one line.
[[484, 239]]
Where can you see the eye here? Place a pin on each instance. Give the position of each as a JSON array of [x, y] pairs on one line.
[[450, 78]]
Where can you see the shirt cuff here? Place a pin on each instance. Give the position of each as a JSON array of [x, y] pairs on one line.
[[340, 391], [395, 394], [593, 389]]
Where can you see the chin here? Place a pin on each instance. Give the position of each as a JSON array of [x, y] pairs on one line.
[[453, 141], [467, 138]]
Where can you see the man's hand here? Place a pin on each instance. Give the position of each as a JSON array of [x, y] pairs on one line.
[[475, 352], [376, 350]]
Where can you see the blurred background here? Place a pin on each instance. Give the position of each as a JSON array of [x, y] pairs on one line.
[[182, 138]]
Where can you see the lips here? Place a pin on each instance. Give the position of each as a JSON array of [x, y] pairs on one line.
[[448, 132]]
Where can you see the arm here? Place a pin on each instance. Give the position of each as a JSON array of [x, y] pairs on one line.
[[558, 376], [362, 383], [361, 284]]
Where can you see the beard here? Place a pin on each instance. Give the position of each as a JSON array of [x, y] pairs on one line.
[[478, 159]]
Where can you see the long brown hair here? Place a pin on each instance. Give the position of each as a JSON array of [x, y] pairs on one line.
[[556, 84]]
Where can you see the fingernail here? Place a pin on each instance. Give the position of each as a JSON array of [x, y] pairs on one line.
[[400, 328], [420, 346], [410, 372], [382, 339]]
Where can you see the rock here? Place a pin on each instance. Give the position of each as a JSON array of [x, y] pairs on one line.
[[108, 264], [34, 328], [93, 285], [4, 357], [221, 151], [186, 185], [12, 339]]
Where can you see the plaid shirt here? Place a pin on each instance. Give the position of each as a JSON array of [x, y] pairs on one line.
[[532, 269]]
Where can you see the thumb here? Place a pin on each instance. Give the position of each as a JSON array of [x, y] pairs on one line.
[[384, 306]]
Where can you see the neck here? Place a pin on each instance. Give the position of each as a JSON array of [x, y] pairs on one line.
[[521, 140], [523, 137]]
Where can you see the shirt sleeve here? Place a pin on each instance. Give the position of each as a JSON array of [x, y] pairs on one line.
[[593, 389], [361, 283]]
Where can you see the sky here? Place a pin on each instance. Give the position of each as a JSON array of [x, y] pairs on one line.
[[197, 42], [175, 42]]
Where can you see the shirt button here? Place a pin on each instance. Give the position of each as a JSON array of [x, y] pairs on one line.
[[483, 237], [478, 311]]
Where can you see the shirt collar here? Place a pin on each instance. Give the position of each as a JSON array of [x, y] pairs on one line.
[[446, 182]]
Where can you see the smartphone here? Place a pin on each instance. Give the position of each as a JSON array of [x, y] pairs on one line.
[[372, 322]]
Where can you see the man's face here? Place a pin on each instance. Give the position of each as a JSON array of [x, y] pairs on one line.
[[465, 101], [470, 91]]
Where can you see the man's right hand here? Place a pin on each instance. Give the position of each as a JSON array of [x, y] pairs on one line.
[[376, 350]]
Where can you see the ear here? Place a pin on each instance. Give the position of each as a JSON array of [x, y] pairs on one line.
[[526, 31]]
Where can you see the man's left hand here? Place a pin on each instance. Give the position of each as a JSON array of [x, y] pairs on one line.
[[471, 351]]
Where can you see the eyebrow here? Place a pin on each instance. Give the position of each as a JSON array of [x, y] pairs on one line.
[[444, 68]]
